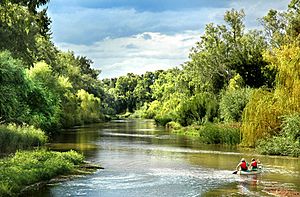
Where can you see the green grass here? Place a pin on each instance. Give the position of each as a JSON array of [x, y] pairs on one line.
[[13, 137], [29, 167]]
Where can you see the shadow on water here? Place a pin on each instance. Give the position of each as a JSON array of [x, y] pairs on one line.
[[140, 158]]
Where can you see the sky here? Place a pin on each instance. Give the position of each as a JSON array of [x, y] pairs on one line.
[[135, 36]]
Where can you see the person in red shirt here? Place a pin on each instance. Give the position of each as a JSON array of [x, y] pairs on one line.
[[253, 164], [242, 165]]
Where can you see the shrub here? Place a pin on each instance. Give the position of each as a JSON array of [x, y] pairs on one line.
[[152, 109], [13, 137], [219, 134], [200, 108], [232, 104], [287, 142], [173, 125]]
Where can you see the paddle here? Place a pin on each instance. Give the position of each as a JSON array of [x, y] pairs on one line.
[[235, 172]]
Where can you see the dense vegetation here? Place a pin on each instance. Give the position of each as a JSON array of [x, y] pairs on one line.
[[26, 168], [13, 137], [40, 85], [41, 89]]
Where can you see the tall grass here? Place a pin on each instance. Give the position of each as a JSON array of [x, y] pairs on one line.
[[28, 167], [13, 137]]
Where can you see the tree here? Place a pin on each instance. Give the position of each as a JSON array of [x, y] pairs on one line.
[[14, 88], [226, 50], [20, 25]]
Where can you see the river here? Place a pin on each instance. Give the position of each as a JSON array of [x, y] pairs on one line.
[[141, 159]]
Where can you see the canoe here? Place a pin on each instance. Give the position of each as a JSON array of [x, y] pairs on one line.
[[249, 172]]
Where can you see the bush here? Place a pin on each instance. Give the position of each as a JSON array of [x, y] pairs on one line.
[[219, 134], [233, 103], [14, 87], [287, 142], [199, 109], [13, 137], [163, 119], [173, 125], [167, 112], [152, 110], [26, 168]]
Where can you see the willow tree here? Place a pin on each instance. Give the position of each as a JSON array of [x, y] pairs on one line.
[[262, 116]]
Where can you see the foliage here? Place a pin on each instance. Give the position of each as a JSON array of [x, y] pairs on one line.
[[226, 50], [219, 134], [124, 88], [45, 98], [89, 107], [282, 28], [262, 113], [152, 110], [13, 137], [168, 110], [200, 108], [173, 125], [26, 168], [14, 88], [287, 142], [232, 104], [20, 26], [210, 133]]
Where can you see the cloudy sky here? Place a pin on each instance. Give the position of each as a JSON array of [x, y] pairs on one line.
[[136, 36]]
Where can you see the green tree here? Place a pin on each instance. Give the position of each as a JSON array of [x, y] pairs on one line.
[[14, 88], [45, 97], [20, 25]]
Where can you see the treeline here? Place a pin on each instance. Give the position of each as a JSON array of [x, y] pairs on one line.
[[39, 84], [235, 78]]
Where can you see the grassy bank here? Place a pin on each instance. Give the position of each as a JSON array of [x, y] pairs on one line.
[[13, 137], [28, 167]]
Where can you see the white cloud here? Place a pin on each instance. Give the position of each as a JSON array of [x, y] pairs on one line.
[[121, 39], [149, 51], [87, 25]]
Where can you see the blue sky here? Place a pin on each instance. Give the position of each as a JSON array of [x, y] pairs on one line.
[[123, 36]]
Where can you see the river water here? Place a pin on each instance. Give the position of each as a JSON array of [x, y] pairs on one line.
[[141, 159]]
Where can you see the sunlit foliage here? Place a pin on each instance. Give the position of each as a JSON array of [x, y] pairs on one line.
[[263, 112]]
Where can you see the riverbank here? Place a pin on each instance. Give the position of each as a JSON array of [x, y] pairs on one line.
[[28, 169], [285, 144]]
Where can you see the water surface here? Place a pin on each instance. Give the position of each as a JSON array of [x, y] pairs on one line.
[[141, 159]]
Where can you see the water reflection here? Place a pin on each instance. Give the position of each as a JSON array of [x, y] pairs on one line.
[[140, 158]]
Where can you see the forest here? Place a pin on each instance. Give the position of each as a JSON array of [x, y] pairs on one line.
[[240, 87]]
